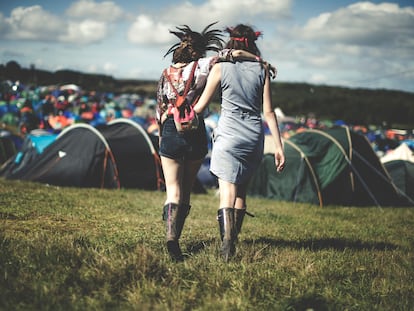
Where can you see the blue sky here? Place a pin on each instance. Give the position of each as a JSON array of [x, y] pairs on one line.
[[367, 44]]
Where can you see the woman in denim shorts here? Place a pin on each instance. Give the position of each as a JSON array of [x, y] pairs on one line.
[[183, 152]]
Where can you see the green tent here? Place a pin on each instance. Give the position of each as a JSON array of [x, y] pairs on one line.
[[402, 174], [7, 149], [327, 167]]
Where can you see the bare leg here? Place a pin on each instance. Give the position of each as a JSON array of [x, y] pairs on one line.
[[241, 196], [228, 192], [189, 175], [172, 213], [173, 171]]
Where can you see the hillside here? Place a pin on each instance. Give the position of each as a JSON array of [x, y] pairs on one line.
[[387, 108]]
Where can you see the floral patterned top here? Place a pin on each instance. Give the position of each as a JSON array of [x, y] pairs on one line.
[[179, 76]]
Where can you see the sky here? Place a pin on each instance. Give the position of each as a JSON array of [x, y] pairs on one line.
[[356, 44]]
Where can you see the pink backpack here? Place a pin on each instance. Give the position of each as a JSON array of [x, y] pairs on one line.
[[185, 118]]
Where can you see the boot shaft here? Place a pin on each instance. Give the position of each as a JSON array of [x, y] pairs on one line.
[[238, 219], [225, 217], [174, 215], [169, 215]]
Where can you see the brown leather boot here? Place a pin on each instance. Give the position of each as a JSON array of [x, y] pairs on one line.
[[174, 215]]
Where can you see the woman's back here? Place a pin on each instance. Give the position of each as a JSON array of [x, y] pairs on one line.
[[242, 86]]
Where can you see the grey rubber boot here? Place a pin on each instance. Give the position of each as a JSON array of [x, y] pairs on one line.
[[225, 217], [238, 220]]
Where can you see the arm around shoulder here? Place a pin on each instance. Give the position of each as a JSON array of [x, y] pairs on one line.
[[213, 81]]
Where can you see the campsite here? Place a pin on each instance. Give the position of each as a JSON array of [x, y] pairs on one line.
[[81, 190], [65, 135]]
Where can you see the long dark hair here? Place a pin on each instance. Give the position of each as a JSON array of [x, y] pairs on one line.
[[243, 37], [194, 45]]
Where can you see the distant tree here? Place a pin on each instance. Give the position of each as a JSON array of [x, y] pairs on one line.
[[2, 72], [13, 70]]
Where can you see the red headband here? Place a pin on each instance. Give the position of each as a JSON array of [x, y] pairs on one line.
[[258, 34], [241, 39], [244, 39]]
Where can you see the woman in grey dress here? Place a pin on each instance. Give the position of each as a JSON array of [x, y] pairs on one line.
[[239, 136], [182, 152]]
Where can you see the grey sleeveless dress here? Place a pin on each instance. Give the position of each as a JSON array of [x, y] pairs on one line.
[[238, 139]]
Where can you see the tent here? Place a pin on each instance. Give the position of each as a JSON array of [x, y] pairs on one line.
[[327, 167], [79, 157], [134, 151], [402, 152], [9, 144], [7, 148], [114, 155], [136, 154], [402, 174], [26, 153], [400, 166]]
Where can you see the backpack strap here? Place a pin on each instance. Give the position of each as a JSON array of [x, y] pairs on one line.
[[187, 85]]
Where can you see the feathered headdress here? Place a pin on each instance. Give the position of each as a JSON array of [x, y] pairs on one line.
[[207, 40]]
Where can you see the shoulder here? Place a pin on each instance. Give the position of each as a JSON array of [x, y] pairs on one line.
[[216, 70], [205, 63]]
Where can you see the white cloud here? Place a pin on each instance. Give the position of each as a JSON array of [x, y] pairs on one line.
[[146, 30], [234, 11], [324, 60], [110, 67], [91, 68], [85, 32], [4, 26], [155, 29], [86, 22], [106, 11], [318, 78], [358, 45], [363, 23], [360, 42], [32, 23]]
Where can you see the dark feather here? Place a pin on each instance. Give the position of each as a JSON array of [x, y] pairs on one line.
[[212, 38]]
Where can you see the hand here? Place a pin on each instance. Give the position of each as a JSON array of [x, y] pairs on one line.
[[272, 70], [180, 111], [279, 161]]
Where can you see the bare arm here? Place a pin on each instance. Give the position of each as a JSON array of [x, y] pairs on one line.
[[245, 55], [213, 81], [271, 120]]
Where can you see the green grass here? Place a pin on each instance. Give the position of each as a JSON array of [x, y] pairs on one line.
[[91, 249]]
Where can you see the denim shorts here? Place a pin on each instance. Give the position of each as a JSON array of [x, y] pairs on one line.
[[189, 145]]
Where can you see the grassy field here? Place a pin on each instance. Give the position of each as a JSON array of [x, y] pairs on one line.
[[91, 249]]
